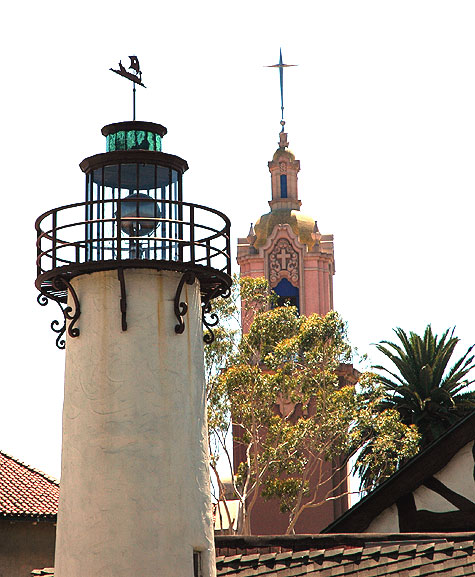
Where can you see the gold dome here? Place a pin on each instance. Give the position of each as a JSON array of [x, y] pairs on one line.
[[283, 154], [301, 224]]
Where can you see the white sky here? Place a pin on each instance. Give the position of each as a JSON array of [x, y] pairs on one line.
[[380, 113]]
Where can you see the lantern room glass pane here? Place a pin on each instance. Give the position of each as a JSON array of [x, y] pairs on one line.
[[151, 176], [133, 140], [108, 187]]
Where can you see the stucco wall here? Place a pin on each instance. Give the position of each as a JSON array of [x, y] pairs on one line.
[[457, 476], [386, 522], [25, 546], [135, 496]]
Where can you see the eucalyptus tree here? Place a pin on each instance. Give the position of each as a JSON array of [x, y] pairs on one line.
[[292, 360]]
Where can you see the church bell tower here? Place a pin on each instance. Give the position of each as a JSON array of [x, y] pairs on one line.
[[285, 245]]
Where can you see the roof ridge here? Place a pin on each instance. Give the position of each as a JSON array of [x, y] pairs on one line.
[[460, 433], [49, 478]]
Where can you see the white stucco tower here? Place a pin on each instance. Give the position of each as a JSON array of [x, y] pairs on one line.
[[134, 269]]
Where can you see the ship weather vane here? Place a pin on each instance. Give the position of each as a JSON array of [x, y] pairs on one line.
[[281, 67], [135, 76]]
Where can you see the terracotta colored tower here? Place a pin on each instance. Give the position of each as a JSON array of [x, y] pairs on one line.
[[286, 247]]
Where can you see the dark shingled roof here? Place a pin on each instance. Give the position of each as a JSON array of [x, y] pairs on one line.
[[365, 555], [26, 492]]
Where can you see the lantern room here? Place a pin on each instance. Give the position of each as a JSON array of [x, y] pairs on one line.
[[133, 216]]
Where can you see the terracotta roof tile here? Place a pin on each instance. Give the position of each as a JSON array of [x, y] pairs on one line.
[[24, 491]]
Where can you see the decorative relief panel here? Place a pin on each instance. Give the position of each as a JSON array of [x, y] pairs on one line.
[[283, 166], [283, 262]]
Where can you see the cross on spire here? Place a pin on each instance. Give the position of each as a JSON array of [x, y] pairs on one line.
[[281, 67]]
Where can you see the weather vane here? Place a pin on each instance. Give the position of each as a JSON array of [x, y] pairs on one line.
[[281, 67], [135, 76]]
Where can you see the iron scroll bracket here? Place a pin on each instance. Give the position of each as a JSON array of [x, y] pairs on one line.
[[211, 319], [123, 298], [181, 307], [70, 313]]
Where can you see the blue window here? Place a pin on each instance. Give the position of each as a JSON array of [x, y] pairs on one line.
[[287, 293], [283, 186]]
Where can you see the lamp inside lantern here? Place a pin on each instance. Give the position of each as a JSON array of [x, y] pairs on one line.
[[139, 214]]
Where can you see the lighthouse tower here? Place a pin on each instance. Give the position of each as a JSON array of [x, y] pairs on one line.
[[134, 269]]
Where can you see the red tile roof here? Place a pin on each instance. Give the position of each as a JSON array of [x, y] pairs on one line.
[[24, 491]]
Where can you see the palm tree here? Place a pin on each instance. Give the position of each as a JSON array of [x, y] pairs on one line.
[[424, 391]]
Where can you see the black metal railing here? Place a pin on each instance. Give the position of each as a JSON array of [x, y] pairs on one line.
[[132, 231]]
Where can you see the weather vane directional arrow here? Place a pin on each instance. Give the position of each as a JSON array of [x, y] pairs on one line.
[[281, 67], [135, 77]]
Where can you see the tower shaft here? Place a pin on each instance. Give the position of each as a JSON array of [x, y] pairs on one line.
[[135, 496]]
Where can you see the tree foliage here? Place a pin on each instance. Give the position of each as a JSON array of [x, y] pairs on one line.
[[424, 391], [296, 423]]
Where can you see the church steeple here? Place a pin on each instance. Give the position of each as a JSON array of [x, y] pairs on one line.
[[284, 170], [286, 247]]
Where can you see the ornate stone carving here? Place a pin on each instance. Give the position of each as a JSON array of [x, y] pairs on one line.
[[283, 166], [283, 262]]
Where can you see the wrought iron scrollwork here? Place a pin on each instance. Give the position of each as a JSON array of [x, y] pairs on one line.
[[71, 314], [42, 299], [181, 307], [211, 319], [209, 322]]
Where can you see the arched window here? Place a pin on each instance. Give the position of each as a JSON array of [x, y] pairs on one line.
[[287, 293]]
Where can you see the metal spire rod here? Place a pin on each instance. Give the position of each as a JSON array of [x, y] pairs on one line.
[[281, 67], [133, 103]]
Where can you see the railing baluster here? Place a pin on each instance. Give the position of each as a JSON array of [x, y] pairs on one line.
[[228, 249], [180, 217], [208, 252], [170, 213], [38, 250], [192, 234], [119, 214], [54, 237]]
